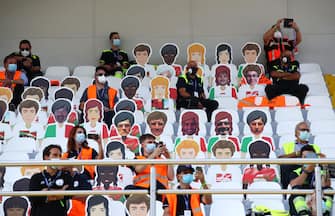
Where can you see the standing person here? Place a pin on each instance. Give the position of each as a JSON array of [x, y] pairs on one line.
[[101, 91], [77, 147], [52, 178], [115, 60], [28, 62], [188, 204], [191, 91]]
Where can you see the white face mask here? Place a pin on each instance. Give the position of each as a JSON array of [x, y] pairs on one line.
[[102, 79], [277, 35], [25, 53]]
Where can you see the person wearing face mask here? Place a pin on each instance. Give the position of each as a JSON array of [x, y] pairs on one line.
[[187, 204], [115, 60], [190, 91], [77, 148], [28, 62], [292, 150], [275, 43], [285, 75], [13, 78], [101, 91], [52, 178], [164, 173]]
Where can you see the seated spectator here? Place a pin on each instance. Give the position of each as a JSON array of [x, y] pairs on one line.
[[285, 75], [188, 204], [169, 52], [304, 178], [275, 43], [77, 148], [292, 150], [115, 60], [191, 92], [101, 91], [142, 53], [13, 78], [219, 174], [164, 173], [29, 63]]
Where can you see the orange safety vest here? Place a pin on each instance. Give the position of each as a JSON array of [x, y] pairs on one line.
[[78, 207], [143, 179], [275, 51], [195, 204], [92, 93], [85, 154], [17, 76]]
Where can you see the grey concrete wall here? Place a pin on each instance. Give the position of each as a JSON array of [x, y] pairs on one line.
[[74, 32]]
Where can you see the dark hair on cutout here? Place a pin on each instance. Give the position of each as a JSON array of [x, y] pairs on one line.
[[96, 200]]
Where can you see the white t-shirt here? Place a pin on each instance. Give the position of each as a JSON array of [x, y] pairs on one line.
[[245, 91], [5, 133], [216, 176]]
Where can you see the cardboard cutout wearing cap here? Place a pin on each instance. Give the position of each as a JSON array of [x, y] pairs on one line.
[[93, 115]]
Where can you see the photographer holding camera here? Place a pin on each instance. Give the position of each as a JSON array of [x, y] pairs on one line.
[[164, 173], [304, 178]]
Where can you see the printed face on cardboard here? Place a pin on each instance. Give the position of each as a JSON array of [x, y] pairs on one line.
[[142, 53], [251, 74], [223, 149], [136, 70], [196, 52], [223, 123], [64, 92], [223, 53], [222, 75], [6, 94], [189, 123], [125, 104], [129, 86], [71, 82], [43, 83], [115, 150], [123, 121], [156, 121], [169, 53], [250, 52], [32, 92], [106, 176], [93, 111], [160, 87], [28, 109], [259, 149], [138, 205], [97, 205], [61, 109], [256, 121], [187, 149], [3, 109], [166, 70], [15, 206]]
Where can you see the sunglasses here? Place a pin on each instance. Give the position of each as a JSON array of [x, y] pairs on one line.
[[25, 49], [102, 74]]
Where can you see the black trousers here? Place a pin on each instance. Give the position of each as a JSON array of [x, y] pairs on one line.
[[192, 103], [299, 90]]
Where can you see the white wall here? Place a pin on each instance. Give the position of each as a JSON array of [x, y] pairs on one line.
[[74, 32]]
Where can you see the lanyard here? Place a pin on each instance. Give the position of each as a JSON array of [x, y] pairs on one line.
[[49, 184], [187, 202]]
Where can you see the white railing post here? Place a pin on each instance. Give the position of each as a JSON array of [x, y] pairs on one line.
[[318, 190], [152, 191]]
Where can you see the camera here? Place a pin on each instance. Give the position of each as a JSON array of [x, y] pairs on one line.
[[159, 144], [93, 136], [288, 23]]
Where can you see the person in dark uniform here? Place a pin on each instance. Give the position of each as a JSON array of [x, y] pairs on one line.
[[27, 62], [114, 60], [52, 178], [190, 91]]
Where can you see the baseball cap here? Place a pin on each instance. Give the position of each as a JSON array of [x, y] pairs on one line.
[[184, 168]]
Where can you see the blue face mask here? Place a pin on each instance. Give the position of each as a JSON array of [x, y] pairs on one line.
[[150, 147], [304, 135], [187, 178], [116, 42], [80, 138], [12, 67]]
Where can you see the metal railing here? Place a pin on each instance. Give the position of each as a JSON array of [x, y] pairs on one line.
[[318, 187]]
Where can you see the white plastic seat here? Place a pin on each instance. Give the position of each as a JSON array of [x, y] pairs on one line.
[[317, 114], [228, 185], [227, 208], [234, 115], [325, 142], [57, 72], [308, 78], [84, 71], [310, 68], [318, 101], [288, 114], [317, 89], [323, 127], [247, 110], [227, 103], [286, 128], [268, 185], [114, 82], [139, 117]]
